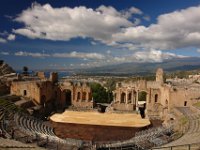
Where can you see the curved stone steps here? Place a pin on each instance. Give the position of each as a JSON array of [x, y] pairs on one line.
[[193, 133]]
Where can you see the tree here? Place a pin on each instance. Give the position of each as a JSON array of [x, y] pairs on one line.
[[142, 96], [25, 70], [100, 94], [110, 84]]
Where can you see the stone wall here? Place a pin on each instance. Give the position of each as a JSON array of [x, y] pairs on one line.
[[39, 91], [27, 89], [94, 132], [81, 94]]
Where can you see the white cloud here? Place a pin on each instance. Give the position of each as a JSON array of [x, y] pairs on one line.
[[139, 56], [173, 30], [93, 43], [198, 50], [6, 36], [11, 37], [21, 53], [146, 56], [154, 56], [147, 18], [108, 51], [135, 10], [2, 40], [96, 59], [46, 22], [73, 54], [130, 12], [4, 33], [4, 53]]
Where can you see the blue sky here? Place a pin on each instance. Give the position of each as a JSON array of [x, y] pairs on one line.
[[67, 34]]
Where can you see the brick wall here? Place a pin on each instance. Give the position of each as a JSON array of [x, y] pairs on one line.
[[94, 132]]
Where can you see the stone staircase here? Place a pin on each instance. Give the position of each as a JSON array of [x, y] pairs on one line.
[[193, 133], [28, 129]]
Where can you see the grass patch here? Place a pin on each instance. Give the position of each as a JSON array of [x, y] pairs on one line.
[[10, 106], [183, 120], [197, 104]]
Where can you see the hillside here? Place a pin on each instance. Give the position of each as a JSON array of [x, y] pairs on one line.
[[181, 64]]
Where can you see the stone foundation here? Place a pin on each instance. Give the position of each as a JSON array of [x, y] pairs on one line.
[[94, 132]]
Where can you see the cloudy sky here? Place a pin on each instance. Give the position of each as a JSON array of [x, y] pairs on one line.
[[65, 34]]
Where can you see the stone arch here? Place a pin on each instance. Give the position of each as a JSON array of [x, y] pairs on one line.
[[142, 96], [166, 102], [123, 97], [84, 94], [25, 93], [129, 97], [142, 99], [78, 96], [90, 96]]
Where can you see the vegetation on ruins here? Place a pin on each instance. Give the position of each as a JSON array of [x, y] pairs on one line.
[[25, 70], [10, 106], [142, 96], [197, 105], [111, 84], [100, 94], [183, 120]]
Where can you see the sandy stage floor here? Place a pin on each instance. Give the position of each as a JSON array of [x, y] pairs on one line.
[[96, 118]]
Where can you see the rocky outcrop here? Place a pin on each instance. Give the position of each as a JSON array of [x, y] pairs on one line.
[[5, 68]]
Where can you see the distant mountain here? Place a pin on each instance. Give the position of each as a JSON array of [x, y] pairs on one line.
[[178, 64]]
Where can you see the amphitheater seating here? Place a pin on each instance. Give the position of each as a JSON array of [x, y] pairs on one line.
[[34, 127], [193, 133], [143, 140], [12, 144], [28, 127]]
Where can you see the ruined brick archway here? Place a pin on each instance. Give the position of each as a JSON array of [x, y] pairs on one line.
[[142, 96], [123, 97], [78, 96]]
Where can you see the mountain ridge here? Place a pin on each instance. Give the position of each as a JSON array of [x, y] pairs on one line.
[[178, 64]]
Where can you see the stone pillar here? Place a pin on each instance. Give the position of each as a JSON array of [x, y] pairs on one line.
[[87, 97], [126, 97], [132, 99], [147, 100], [120, 94], [72, 97], [81, 97], [136, 102]]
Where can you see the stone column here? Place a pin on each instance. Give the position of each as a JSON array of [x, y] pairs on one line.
[[72, 97], [132, 95], [136, 102], [80, 96], [126, 97], [120, 94], [88, 96]]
